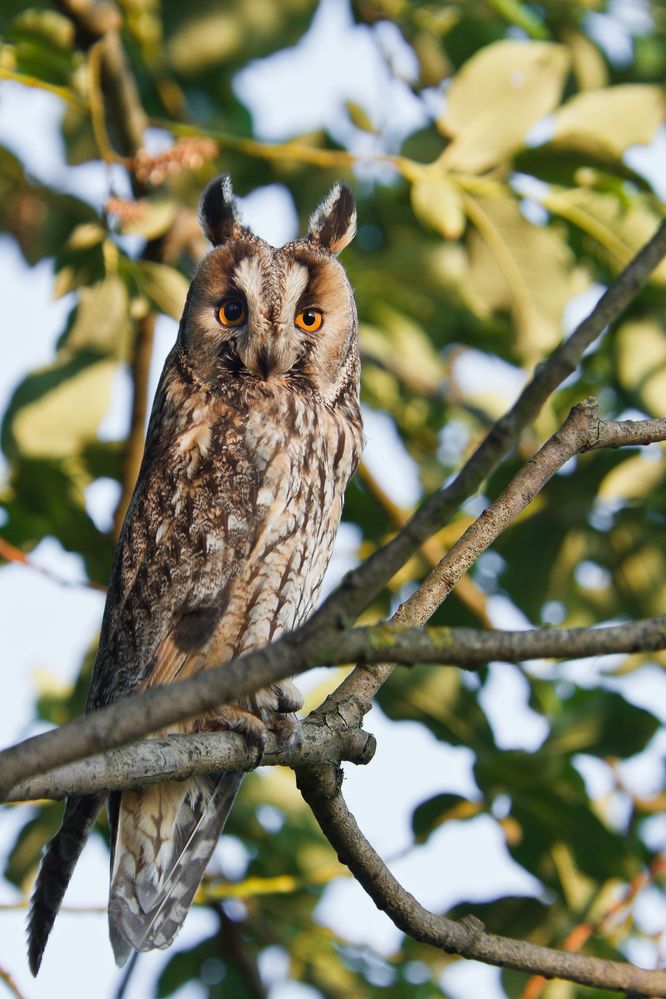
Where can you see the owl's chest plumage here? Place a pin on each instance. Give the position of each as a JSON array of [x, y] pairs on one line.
[[294, 461], [226, 548]]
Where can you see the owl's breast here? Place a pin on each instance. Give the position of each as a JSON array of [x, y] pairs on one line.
[[301, 459]]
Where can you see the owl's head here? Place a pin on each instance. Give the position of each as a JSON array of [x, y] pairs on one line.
[[256, 312]]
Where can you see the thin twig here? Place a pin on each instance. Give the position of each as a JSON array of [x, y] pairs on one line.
[[581, 431], [321, 789], [316, 643], [11, 553], [8, 979], [432, 549]]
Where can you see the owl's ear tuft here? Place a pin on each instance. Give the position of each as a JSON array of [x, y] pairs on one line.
[[219, 214], [333, 224]]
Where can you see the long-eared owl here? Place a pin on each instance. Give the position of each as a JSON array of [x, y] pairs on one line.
[[254, 434]]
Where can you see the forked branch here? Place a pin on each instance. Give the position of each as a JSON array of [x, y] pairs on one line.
[[321, 789]]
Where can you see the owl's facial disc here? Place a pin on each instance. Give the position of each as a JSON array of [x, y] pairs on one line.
[[272, 339], [273, 314]]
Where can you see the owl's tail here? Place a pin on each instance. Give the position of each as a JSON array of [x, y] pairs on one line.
[[164, 839], [58, 863]]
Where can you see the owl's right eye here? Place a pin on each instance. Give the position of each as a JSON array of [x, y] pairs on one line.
[[232, 312]]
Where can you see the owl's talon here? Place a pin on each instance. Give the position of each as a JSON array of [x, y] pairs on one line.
[[286, 728], [289, 697], [233, 719]]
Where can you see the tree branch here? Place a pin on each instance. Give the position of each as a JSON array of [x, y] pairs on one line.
[[153, 709], [321, 789], [178, 757], [8, 979], [583, 430]]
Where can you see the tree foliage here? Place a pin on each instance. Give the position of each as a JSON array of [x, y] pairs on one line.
[[514, 196]]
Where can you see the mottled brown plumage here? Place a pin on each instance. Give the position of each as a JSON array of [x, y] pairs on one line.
[[254, 434]]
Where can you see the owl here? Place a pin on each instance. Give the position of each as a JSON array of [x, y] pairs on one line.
[[253, 436]]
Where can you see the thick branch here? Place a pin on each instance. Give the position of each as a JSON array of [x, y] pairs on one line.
[[152, 710], [321, 789], [178, 757]]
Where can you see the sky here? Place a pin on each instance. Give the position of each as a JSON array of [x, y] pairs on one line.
[[459, 861]]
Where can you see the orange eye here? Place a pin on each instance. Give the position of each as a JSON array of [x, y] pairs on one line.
[[232, 312], [309, 320]]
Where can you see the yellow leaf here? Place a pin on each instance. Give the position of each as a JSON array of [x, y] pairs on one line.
[[520, 268], [641, 362], [154, 219], [589, 66], [437, 203], [359, 117], [632, 479], [621, 229], [609, 120], [497, 96], [403, 347], [85, 235]]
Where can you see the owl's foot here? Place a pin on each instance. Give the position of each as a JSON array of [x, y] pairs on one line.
[[289, 697], [286, 728], [231, 718]]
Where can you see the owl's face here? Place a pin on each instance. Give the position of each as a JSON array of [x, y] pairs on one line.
[[274, 315]]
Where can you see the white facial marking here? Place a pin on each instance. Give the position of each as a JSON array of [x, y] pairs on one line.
[[249, 278], [295, 283]]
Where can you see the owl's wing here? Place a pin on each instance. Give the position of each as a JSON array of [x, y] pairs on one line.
[[163, 575]]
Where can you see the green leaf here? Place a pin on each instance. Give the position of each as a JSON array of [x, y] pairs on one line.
[[163, 285], [26, 851], [47, 26], [438, 699], [552, 819], [603, 723], [360, 117], [440, 809], [47, 498], [40, 219], [57, 410], [497, 96], [513, 916]]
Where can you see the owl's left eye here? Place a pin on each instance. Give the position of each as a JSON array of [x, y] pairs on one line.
[[232, 312], [309, 319]]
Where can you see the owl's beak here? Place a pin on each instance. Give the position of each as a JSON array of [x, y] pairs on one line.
[[266, 357], [266, 362]]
